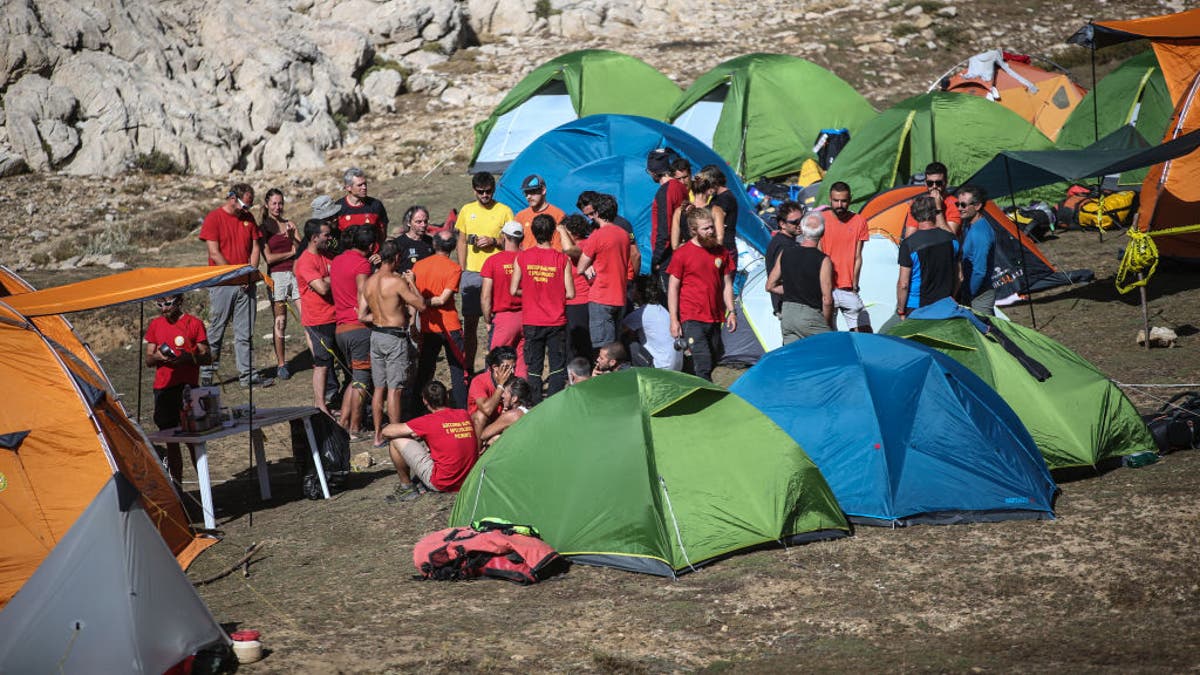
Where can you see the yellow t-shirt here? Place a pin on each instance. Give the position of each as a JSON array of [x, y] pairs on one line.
[[485, 222]]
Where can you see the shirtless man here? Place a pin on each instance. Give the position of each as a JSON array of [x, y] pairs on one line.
[[387, 295]]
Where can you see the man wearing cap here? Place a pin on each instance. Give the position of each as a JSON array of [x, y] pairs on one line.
[[478, 227], [232, 238], [357, 208], [534, 187], [948, 216], [501, 309], [671, 194]]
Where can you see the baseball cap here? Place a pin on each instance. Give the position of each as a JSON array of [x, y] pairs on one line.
[[533, 183], [513, 229], [323, 207], [659, 160]]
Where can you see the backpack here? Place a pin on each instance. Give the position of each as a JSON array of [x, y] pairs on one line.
[[500, 552], [1107, 210], [1067, 211], [1176, 425], [1035, 220], [333, 446]]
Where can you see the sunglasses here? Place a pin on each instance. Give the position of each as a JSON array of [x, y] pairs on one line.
[[796, 221], [484, 191], [168, 302], [935, 183], [962, 204]]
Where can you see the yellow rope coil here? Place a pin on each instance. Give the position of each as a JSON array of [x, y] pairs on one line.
[[1141, 256]]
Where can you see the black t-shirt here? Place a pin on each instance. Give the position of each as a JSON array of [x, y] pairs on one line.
[[729, 205], [778, 242], [933, 257], [413, 250], [370, 212]]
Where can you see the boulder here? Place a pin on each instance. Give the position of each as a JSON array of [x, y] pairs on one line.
[[39, 117], [381, 88]]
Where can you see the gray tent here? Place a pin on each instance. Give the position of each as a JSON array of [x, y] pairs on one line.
[[110, 598]]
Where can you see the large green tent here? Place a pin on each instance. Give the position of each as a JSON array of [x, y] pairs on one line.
[[651, 471], [962, 132], [1134, 93], [1077, 416], [764, 112], [563, 89]]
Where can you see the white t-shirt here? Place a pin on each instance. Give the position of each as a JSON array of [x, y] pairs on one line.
[[652, 323]]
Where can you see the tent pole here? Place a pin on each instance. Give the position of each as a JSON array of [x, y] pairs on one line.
[[1145, 311], [1096, 135], [1020, 246], [250, 291], [140, 357]]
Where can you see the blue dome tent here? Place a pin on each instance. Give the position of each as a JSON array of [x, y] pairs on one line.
[[901, 433]]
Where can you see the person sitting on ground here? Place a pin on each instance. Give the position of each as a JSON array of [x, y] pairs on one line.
[[578, 370], [515, 400], [434, 451], [176, 347], [483, 396], [649, 328], [611, 358]]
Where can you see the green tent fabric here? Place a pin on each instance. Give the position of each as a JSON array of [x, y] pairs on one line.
[[1077, 416], [1134, 88], [651, 471], [962, 132], [598, 81], [775, 107]]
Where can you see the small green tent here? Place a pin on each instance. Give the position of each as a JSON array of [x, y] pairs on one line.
[[1134, 93], [563, 89], [764, 112], [962, 132], [651, 471], [1077, 416]]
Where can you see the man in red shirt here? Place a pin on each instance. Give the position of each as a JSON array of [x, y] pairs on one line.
[[435, 451], [534, 187], [700, 292], [845, 232], [347, 276], [544, 278], [670, 196], [501, 309], [611, 252], [232, 237], [176, 347], [357, 208], [948, 216], [483, 397], [437, 279], [316, 306]]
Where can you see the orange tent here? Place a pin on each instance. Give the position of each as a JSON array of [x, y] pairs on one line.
[[1047, 108], [1171, 192], [63, 431]]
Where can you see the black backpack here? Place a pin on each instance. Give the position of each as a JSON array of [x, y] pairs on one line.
[[333, 445], [1176, 425]]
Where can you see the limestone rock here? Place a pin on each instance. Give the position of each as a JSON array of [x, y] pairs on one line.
[[381, 88], [923, 21], [39, 117], [501, 17], [362, 461]]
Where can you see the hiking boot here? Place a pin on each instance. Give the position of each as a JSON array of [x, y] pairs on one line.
[[403, 493], [257, 380], [283, 373]]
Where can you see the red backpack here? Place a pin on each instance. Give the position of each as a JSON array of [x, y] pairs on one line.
[[463, 553]]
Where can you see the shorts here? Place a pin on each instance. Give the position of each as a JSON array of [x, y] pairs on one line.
[[355, 344], [603, 323], [167, 404], [420, 463], [285, 287], [470, 286], [850, 304], [323, 343], [391, 361]]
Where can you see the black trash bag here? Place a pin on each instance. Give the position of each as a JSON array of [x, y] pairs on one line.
[[1176, 425], [333, 446]]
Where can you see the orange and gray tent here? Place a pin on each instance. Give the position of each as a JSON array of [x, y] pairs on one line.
[[1170, 195], [95, 537], [1019, 268], [1045, 98]]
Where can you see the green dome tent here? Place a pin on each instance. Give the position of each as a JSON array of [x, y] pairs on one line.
[[962, 132], [1077, 416], [764, 112], [651, 471], [563, 89], [1134, 93]]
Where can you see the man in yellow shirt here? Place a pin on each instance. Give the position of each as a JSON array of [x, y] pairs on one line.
[[478, 226]]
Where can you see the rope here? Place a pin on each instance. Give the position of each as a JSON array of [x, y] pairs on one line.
[[1141, 256]]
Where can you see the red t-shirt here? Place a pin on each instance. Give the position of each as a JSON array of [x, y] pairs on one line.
[[952, 213], [182, 336], [840, 242], [343, 273], [315, 309], [452, 445], [434, 275], [499, 269], [235, 235], [525, 217], [543, 291], [481, 387], [701, 273], [608, 247]]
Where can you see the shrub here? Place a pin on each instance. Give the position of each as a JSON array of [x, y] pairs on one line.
[[156, 162]]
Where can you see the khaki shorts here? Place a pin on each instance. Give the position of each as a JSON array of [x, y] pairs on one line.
[[416, 456]]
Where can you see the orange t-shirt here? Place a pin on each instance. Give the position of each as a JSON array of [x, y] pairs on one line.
[[434, 275], [525, 217], [840, 242]]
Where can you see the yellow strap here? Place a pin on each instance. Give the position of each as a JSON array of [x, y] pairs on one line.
[[1141, 256]]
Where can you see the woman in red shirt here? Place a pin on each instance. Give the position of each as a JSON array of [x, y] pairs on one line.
[[283, 243]]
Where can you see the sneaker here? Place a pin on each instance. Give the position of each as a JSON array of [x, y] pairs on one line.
[[257, 380], [283, 373], [421, 489], [403, 493]]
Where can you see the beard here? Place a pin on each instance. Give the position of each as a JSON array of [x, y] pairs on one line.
[[707, 242], [842, 214]]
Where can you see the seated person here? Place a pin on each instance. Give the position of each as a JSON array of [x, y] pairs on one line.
[[483, 396], [516, 399], [434, 451], [612, 357], [578, 370], [649, 328]]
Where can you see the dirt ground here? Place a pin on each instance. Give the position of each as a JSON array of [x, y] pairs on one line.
[[1110, 585]]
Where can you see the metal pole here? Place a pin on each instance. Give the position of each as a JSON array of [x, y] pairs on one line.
[[1096, 138], [1020, 246]]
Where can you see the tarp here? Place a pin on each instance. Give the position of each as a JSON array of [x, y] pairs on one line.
[[764, 112], [901, 433], [1077, 416], [650, 471], [574, 85], [1175, 38], [144, 283], [607, 153]]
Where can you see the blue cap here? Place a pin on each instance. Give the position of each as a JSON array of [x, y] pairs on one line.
[[533, 183]]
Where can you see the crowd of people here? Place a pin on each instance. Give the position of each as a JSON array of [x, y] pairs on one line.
[[562, 298]]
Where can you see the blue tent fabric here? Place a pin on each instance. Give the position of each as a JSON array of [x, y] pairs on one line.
[[607, 153], [902, 434], [947, 308]]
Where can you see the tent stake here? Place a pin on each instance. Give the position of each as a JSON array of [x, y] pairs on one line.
[[1012, 198]]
